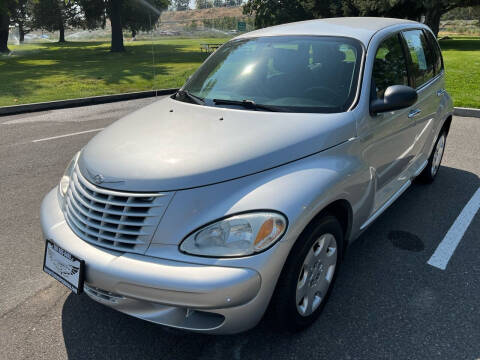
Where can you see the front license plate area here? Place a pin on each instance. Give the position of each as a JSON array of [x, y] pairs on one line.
[[64, 267]]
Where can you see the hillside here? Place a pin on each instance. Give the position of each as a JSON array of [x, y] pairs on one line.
[[201, 14]]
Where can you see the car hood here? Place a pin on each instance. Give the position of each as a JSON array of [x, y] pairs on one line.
[[172, 145]]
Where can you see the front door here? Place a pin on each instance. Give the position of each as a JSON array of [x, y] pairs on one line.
[[388, 142]]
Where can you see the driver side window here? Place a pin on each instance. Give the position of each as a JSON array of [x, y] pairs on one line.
[[389, 68]]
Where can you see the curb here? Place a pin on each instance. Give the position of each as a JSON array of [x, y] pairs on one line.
[[467, 112], [94, 100]]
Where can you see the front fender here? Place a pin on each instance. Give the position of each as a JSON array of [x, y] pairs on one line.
[[300, 190]]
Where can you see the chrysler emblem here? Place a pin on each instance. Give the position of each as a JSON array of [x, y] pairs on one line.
[[98, 179]]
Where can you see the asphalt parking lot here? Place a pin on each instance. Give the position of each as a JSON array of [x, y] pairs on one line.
[[388, 302]]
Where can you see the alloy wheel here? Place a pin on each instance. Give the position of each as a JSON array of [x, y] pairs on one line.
[[437, 155], [316, 274]]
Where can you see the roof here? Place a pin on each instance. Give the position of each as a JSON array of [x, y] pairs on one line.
[[361, 28]]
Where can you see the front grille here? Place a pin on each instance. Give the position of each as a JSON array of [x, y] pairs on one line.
[[115, 220]]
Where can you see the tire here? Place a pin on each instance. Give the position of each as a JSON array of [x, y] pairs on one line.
[[431, 170], [291, 307]]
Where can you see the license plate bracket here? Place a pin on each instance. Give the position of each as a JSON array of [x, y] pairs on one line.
[[64, 267]]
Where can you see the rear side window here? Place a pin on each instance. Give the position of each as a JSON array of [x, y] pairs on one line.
[[390, 67], [437, 56], [421, 56]]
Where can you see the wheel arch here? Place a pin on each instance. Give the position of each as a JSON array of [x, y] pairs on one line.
[[447, 123], [341, 209]]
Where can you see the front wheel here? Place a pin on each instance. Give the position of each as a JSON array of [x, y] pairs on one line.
[[428, 174], [308, 275]]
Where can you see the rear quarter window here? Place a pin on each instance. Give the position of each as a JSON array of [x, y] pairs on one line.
[[437, 55]]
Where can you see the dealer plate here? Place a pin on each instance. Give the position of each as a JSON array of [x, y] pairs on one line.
[[64, 267]]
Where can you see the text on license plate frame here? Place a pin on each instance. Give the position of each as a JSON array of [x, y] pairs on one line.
[[61, 260]]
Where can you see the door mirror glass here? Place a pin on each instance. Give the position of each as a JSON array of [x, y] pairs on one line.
[[395, 97]]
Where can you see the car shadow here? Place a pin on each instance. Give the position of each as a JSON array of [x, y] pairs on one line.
[[386, 301]]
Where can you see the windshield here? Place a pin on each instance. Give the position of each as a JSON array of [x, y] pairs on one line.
[[287, 73]]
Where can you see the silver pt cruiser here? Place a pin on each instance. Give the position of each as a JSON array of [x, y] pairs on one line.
[[242, 191]]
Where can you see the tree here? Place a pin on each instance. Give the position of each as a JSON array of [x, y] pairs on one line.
[[467, 13], [273, 12], [434, 9], [406, 9], [114, 10], [181, 5], [57, 15], [411, 9], [134, 15], [6, 9], [21, 15], [4, 29], [204, 4]]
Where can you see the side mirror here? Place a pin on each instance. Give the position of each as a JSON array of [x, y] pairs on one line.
[[396, 97]]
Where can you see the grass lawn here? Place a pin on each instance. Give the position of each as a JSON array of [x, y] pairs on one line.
[[462, 65], [51, 71]]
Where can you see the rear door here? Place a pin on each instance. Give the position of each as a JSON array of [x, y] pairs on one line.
[[429, 84]]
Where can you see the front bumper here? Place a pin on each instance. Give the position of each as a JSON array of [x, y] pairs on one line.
[[198, 297]]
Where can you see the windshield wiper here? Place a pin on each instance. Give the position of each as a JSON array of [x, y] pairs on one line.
[[249, 104], [196, 99]]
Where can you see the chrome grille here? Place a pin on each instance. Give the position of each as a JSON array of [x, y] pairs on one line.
[[113, 219]]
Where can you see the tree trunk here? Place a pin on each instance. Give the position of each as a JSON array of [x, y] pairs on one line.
[[61, 29], [4, 23], [21, 33], [116, 22], [134, 33], [432, 19]]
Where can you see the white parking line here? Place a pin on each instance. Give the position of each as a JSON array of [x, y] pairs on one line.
[[447, 246], [62, 136]]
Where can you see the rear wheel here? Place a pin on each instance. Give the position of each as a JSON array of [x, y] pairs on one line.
[[428, 174], [308, 275]]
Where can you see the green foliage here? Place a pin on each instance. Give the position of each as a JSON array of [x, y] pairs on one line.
[[138, 16], [207, 4], [466, 13], [180, 5], [273, 12], [21, 14], [203, 4], [54, 15]]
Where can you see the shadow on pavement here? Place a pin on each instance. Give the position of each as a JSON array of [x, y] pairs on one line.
[[387, 302]]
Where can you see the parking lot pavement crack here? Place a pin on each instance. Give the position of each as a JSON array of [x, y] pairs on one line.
[[27, 299]]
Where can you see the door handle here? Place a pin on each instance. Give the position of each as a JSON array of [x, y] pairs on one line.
[[414, 113], [440, 92]]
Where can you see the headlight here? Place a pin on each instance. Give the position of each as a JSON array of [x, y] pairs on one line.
[[239, 235], [65, 180]]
